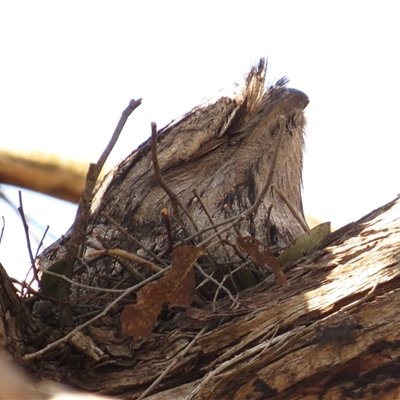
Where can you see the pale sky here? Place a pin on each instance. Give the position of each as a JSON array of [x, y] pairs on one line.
[[69, 68]]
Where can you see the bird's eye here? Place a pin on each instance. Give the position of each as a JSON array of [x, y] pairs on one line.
[[274, 131]]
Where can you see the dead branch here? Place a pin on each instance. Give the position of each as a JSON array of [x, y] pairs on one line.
[[78, 232]]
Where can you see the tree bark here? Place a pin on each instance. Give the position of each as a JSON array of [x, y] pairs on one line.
[[324, 326], [332, 334]]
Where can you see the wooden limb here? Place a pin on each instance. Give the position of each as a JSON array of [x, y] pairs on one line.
[[43, 173]]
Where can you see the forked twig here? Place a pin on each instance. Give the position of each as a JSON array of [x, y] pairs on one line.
[[218, 284]]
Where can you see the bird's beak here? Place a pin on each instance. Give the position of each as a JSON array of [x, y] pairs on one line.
[[287, 101]]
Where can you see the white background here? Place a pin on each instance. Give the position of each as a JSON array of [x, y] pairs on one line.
[[69, 68]]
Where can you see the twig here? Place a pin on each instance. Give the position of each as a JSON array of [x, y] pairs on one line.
[[133, 104], [134, 240], [98, 289], [268, 224], [221, 285], [173, 197], [203, 206], [102, 314], [33, 265], [209, 228], [292, 210], [253, 209], [26, 227], [235, 220], [129, 256], [218, 284], [41, 240], [176, 359], [230, 215], [368, 296], [78, 232], [221, 240], [2, 228], [213, 225], [167, 221]]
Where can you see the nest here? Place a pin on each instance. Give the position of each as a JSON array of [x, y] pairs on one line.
[[196, 214]]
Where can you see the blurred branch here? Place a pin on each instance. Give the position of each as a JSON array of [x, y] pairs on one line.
[[43, 174]]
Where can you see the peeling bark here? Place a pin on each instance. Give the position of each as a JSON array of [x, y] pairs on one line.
[[333, 334]]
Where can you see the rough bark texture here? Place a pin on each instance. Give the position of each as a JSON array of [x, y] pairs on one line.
[[332, 334]]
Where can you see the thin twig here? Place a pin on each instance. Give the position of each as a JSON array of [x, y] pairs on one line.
[[167, 222], [235, 221], [102, 314], [26, 227], [98, 289], [33, 265], [268, 224], [203, 206], [209, 228], [218, 284], [2, 228], [134, 240], [133, 104], [78, 232], [129, 256], [176, 359], [173, 197], [41, 240], [290, 207], [228, 212], [253, 209]]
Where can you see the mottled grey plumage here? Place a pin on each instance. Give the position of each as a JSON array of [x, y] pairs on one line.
[[222, 149]]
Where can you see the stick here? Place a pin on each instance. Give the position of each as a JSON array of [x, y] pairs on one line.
[[78, 232], [292, 210], [173, 197], [254, 207], [98, 316]]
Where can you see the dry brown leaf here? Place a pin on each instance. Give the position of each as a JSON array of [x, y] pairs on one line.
[[174, 288], [262, 255]]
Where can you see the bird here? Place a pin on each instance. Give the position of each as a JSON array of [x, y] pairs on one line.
[[215, 159]]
